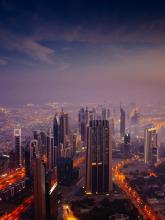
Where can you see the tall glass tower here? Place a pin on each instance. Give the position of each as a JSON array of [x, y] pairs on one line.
[[99, 158]]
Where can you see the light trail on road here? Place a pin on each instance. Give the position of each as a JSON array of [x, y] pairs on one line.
[[67, 213], [15, 214], [120, 179], [12, 177]]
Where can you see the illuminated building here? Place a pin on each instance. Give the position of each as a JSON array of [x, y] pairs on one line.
[[64, 130], [34, 152], [43, 143], [99, 157], [31, 153], [37, 136], [150, 146], [50, 149], [83, 118], [127, 142], [18, 147], [82, 124], [122, 122], [105, 114], [39, 190], [27, 159], [51, 194], [127, 138], [112, 126], [56, 130], [76, 142]]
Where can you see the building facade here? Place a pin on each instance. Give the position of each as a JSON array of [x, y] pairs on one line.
[[150, 146], [18, 147], [99, 158]]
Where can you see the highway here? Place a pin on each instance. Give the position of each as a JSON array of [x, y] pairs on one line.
[[15, 214], [119, 178], [67, 213], [12, 177], [145, 210]]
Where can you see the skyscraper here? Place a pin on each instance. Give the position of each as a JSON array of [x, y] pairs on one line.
[[105, 113], [65, 171], [81, 118], [127, 144], [122, 122], [99, 157], [56, 130], [43, 143], [82, 124], [31, 153], [39, 190], [37, 136], [150, 146], [34, 152], [50, 149], [27, 159], [18, 147], [64, 130]]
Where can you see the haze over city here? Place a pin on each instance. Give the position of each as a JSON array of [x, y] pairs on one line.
[[82, 110], [81, 51]]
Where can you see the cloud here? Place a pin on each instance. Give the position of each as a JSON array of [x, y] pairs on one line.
[[34, 50], [26, 45], [149, 31], [3, 62], [64, 66]]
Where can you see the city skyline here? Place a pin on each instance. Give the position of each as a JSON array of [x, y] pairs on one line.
[[81, 51], [82, 109]]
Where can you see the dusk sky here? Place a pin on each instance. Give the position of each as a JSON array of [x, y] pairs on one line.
[[80, 51]]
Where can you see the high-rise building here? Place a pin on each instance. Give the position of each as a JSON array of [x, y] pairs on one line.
[[122, 122], [64, 128], [39, 190], [127, 144], [18, 147], [34, 152], [50, 149], [76, 142], [56, 128], [83, 122], [105, 114], [51, 194], [37, 136], [150, 146], [99, 157], [112, 126], [43, 143], [27, 160], [81, 117], [65, 171], [31, 153]]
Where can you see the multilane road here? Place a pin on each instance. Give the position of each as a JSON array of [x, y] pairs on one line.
[[15, 214], [144, 209], [12, 177]]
